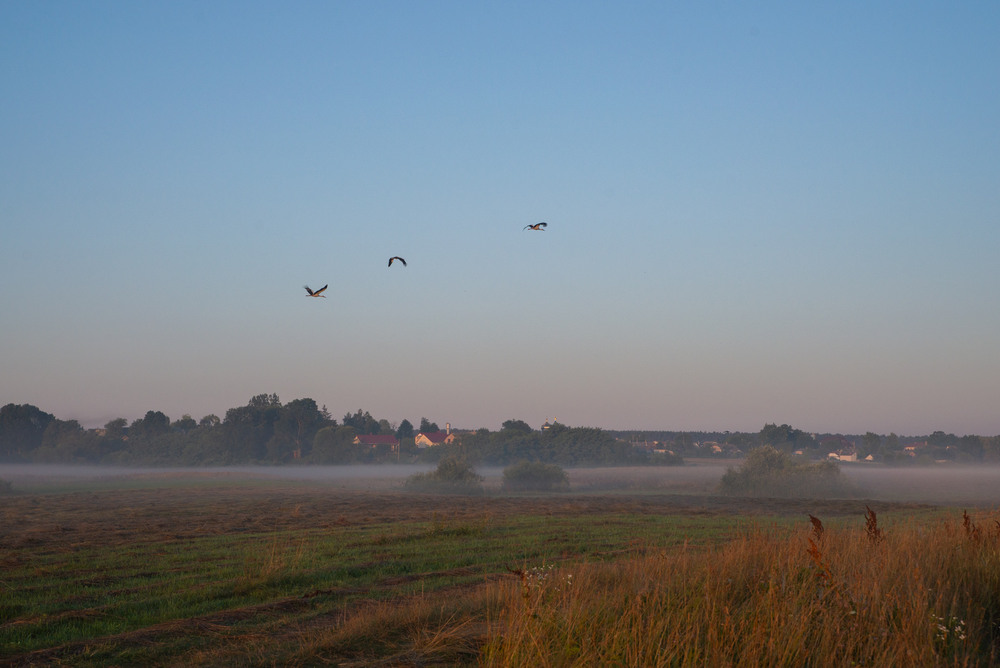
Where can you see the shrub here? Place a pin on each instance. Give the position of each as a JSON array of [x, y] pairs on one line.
[[535, 477], [454, 475], [770, 472]]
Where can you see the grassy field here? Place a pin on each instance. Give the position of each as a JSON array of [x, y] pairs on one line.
[[185, 569]]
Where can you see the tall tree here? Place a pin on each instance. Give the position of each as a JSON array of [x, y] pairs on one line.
[[116, 429], [870, 445], [185, 424], [297, 424], [153, 423], [21, 429], [785, 437], [405, 429], [362, 422], [209, 421], [67, 441], [247, 429], [264, 401], [516, 425], [335, 445]]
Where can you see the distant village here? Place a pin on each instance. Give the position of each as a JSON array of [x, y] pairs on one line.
[[938, 448], [834, 447]]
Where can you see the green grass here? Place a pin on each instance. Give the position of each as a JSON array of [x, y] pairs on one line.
[[281, 574], [79, 593]]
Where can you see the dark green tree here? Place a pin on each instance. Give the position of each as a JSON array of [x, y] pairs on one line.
[[116, 429], [150, 441], [892, 443], [785, 438], [971, 448], [66, 441], [263, 401], [335, 445], [363, 423], [185, 424], [991, 449], [516, 425], [405, 430], [21, 429], [152, 424], [294, 430], [892, 451], [209, 421], [246, 430], [871, 444]]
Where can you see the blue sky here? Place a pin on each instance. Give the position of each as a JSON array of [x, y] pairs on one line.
[[784, 212]]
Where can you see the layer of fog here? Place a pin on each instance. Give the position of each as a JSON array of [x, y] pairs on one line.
[[943, 484], [43, 476]]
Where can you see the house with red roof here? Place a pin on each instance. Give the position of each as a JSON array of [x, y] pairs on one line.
[[374, 440]]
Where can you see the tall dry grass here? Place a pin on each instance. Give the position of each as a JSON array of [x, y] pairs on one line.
[[910, 596]]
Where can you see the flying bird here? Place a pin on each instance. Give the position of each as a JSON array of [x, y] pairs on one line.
[[396, 257], [538, 227], [317, 292]]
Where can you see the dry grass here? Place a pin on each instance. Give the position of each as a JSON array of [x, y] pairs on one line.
[[917, 595], [443, 628]]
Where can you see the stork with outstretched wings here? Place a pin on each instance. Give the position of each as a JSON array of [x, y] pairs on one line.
[[316, 293], [396, 257], [538, 227]]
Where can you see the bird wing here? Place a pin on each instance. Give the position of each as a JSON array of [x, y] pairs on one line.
[[402, 260], [543, 224], [321, 289], [307, 289]]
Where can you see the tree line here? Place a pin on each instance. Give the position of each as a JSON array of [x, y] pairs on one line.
[[267, 431]]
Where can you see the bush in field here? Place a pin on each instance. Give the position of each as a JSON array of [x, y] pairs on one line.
[[767, 471], [535, 477], [454, 475]]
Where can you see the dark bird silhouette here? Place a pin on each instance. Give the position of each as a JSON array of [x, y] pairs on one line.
[[538, 227], [317, 292], [397, 258]]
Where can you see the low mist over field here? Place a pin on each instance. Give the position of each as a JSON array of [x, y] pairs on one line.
[[940, 485]]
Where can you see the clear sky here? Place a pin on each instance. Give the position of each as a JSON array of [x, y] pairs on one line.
[[758, 212]]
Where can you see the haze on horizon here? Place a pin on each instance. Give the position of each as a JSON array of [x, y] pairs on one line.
[[781, 214]]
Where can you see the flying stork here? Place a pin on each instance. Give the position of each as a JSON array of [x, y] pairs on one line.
[[317, 292], [538, 227], [396, 257]]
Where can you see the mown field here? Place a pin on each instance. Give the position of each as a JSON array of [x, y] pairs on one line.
[[188, 569]]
